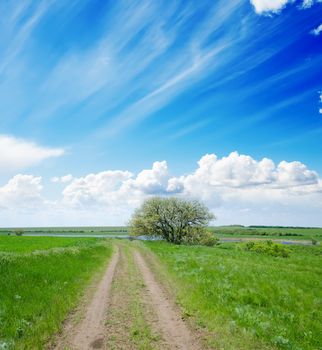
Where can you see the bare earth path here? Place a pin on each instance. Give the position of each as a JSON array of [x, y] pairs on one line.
[[170, 322], [90, 332], [129, 310]]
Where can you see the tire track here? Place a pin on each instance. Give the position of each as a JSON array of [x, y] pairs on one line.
[[90, 332], [169, 321]]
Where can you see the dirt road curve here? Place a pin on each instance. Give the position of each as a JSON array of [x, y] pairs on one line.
[[128, 301]]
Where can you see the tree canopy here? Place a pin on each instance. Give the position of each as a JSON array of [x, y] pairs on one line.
[[173, 219]]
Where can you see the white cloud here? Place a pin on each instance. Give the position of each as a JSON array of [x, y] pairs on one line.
[[276, 6], [264, 6], [18, 154], [238, 188], [320, 110], [21, 192], [151, 181], [242, 171], [101, 189], [316, 31]]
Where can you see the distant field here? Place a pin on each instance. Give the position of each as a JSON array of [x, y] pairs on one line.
[[285, 233], [268, 232], [112, 230], [41, 280], [245, 299]]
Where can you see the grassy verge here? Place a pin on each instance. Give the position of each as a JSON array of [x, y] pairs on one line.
[[246, 300], [128, 326], [41, 280]]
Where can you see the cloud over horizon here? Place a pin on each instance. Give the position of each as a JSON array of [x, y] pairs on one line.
[[236, 183]]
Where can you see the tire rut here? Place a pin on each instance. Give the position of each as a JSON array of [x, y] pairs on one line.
[[174, 330], [89, 333]]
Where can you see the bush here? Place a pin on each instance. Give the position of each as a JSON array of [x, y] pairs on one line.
[[201, 236], [19, 232], [268, 248], [314, 241]]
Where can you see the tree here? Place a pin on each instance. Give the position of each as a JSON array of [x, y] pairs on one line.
[[172, 219]]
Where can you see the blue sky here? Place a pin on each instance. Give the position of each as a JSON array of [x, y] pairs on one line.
[[89, 87]]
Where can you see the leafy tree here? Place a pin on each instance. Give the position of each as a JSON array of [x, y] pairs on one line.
[[173, 219]]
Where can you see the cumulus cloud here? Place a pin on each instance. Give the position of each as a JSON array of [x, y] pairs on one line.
[[316, 31], [16, 154], [214, 180], [99, 189], [251, 190], [264, 6], [21, 192], [276, 6], [150, 181], [242, 171]]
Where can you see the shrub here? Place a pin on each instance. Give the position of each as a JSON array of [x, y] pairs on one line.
[[200, 236], [314, 241], [268, 248], [19, 232]]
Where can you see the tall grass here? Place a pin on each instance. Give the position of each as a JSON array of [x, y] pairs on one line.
[[248, 300], [41, 280]]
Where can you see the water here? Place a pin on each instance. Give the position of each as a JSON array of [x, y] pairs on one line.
[[149, 238]]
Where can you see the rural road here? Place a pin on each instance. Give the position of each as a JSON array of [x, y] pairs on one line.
[[129, 309]]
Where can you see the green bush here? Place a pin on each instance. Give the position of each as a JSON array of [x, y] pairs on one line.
[[201, 236], [19, 232], [314, 241], [268, 248]]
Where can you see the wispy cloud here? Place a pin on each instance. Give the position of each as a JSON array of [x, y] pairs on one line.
[[17, 154], [316, 31]]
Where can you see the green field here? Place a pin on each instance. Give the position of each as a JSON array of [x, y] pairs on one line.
[[237, 299], [277, 233], [246, 300], [41, 280], [284, 233], [95, 230]]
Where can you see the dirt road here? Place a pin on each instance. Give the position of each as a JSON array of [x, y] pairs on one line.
[[129, 309]]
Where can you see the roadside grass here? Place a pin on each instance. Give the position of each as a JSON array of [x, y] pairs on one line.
[[127, 324], [41, 280], [247, 300]]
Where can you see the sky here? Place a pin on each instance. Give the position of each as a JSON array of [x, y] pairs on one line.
[[104, 104]]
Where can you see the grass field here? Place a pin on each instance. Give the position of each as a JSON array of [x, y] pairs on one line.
[[284, 233], [95, 230], [41, 280], [291, 233], [247, 300]]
